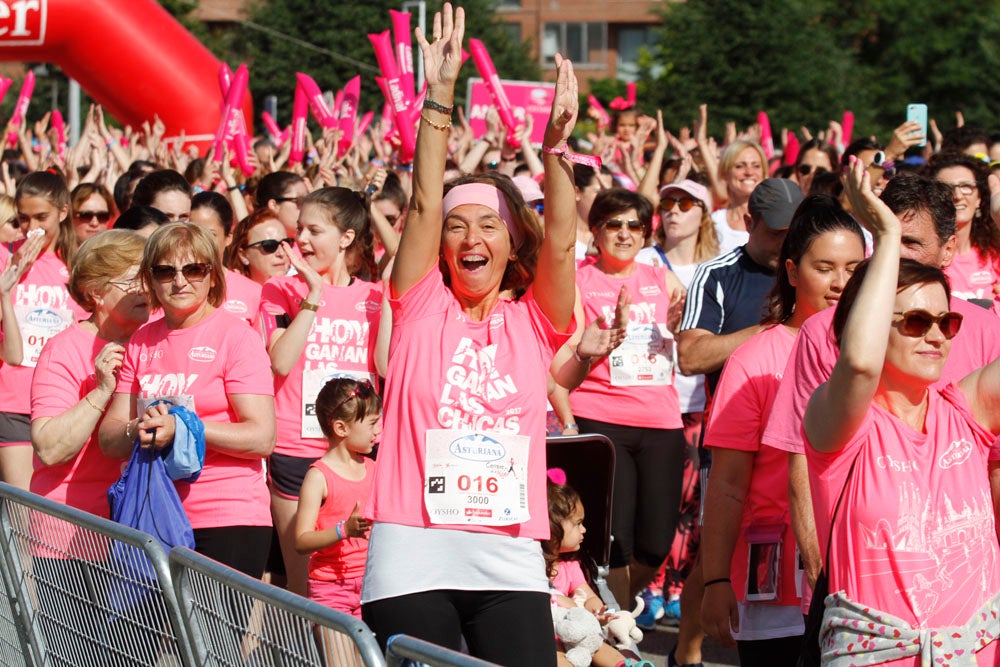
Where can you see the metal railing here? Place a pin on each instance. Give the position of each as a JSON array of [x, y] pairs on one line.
[[400, 649], [236, 620]]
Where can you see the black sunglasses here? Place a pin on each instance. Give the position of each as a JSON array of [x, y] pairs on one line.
[[363, 390], [102, 216], [616, 224], [164, 273], [295, 200], [270, 246], [539, 207], [685, 204], [916, 323], [806, 169]]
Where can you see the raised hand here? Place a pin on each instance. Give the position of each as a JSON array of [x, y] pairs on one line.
[[443, 55], [565, 104], [106, 366], [869, 210]]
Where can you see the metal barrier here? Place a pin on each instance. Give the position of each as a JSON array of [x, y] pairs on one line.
[[402, 648], [233, 619], [87, 591], [13, 640]]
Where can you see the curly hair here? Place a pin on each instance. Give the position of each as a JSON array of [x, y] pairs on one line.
[[563, 500]]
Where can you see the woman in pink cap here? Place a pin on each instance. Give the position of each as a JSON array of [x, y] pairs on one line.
[[459, 498]]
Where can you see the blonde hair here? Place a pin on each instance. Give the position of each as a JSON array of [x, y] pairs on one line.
[[102, 257], [706, 245], [728, 158], [179, 238], [8, 211]]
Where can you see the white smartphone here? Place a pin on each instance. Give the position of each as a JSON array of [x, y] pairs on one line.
[[918, 113]]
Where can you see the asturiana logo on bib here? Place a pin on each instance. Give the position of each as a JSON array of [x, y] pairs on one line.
[[43, 317], [956, 454], [477, 447], [202, 353]]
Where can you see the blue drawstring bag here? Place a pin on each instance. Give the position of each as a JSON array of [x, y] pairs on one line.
[[144, 498], [186, 456]]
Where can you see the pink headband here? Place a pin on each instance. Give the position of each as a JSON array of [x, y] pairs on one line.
[[487, 195]]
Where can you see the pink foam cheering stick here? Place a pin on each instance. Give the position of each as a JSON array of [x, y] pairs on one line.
[[365, 123], [272, 125], [394, 92], [595, 104], [348, 114], [338, 99], [401, 34], [766, 138], [791, 149], [21, 106], [228, 126], [847, 125], [59, 125], [630, 93], [5, 84], [225, 81], [317, 103], [299, 110], [489, 73]]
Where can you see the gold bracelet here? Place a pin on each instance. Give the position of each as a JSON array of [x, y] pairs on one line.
[[439, 128], [128, 434], [86, 397]]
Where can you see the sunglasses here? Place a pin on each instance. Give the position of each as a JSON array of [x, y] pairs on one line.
[[270, 246], [615, 224], [363, 390], [88, 216], [806, 169], [539, 207], [295, 200], [916, 323], [132, 286], [165, 273], [685, 204]]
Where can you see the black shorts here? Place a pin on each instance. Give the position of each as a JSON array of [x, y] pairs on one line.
[[285, 473], [15, 428]]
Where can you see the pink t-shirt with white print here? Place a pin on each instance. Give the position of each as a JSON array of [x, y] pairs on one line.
[[914, 535], [815, 353], [206, 363], [633, 386], [242, 296], [44, 308], [740, 409], [341, 341], [447, 371], [972, 276]]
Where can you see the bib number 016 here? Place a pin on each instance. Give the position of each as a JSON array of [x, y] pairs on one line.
[[477, 484]]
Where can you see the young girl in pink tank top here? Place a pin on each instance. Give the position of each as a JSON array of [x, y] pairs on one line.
[[328, 523]]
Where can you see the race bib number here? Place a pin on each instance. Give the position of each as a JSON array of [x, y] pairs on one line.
[[476, 478], [312, 382], [38, 326], [646, 357]]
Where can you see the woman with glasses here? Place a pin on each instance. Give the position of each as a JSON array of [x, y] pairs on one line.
[[82, 362], [815, 157], [256, 250], [318, 324], [282, 192], [974, 270], [747, 518], [203, 358], [91, 205], [617, 397], [898, 469]]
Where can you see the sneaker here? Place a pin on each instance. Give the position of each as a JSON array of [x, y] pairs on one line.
[[672, 661], [652, 610], [638, 663], [672, 612]]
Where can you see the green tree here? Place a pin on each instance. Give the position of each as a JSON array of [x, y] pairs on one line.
[[328, 41]]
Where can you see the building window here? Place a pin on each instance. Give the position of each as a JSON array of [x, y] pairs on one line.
[[583, 43], [630, 42], [513, 30], [508, 4]]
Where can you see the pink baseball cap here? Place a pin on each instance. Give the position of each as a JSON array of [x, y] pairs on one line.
[[528, 187], [696, 190]]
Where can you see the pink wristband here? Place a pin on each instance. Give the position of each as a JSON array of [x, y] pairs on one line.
[[577, 158]]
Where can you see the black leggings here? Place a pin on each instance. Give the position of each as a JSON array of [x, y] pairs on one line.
[[243, 548], [649, 475], [505, 627], [779, 652]]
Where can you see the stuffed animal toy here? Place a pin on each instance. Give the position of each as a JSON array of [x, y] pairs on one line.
[[580, 633], [622, 631]]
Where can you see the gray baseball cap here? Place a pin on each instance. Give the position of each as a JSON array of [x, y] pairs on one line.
[[775, 201]]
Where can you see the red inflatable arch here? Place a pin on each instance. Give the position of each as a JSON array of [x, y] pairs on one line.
[[131, 56]]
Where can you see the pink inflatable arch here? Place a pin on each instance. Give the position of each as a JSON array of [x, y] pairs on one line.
[[131, 56]]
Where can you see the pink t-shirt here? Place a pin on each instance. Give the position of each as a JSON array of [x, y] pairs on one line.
[[341, 341], [740, 410], [44, 309], [626, 387], [972, 276], [815, 353], [569, 577], [68, 363], [242, 296], [447, 371], [346, 558], [914, 534], [218, 357]]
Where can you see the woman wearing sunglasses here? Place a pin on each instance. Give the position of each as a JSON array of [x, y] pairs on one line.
[[282, 192], [618, 396], [92, 207], [318, 324], [481, 300], [208, 360], [815, 157], [913, 555], [747, 516], [256, 250]]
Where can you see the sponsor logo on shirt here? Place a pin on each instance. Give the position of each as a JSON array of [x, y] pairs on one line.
[[496, 320], [601, 294], [43, 317], [889, 463], [649, 290], [202, 353], [367, 306], [981, 278], [956, 454], [235, 307]]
